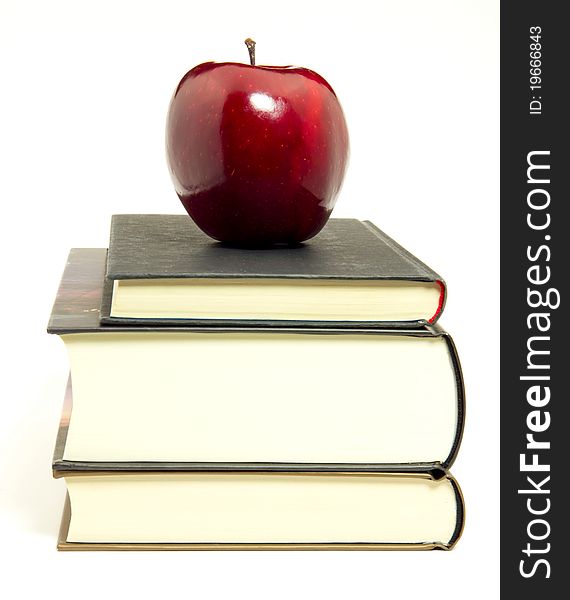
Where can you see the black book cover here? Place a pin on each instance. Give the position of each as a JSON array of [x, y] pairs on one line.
[[144, 246], [171, 246]]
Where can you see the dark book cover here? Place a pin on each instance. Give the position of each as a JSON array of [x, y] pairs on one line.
[[171, 246]]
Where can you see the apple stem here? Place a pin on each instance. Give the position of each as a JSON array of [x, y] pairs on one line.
[[251, 48]]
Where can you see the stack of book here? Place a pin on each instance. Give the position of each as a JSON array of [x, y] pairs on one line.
[[298, 397]]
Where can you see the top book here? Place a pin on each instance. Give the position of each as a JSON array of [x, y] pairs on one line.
[[162, 268]]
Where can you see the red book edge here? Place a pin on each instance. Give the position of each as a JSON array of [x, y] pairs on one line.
[[441, 302]]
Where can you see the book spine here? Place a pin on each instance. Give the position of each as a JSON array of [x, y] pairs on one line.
[[460, 521], [458, 372]]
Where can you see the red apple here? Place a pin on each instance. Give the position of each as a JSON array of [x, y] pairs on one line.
[[257, 154]]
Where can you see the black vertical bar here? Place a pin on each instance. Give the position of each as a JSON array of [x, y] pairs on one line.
[[535, 254]]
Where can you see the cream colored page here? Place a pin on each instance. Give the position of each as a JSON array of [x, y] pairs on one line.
[[260, 508], [260, 398], [275, 299]]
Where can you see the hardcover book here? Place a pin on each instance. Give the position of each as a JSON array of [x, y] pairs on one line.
[[341, 399], [259, 510], [163, 269]]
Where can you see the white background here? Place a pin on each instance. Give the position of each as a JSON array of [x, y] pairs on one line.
[[84, 89]]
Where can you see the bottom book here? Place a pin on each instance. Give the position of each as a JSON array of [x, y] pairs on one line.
[[260, 510]]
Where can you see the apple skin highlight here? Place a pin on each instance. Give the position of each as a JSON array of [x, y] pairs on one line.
[[257, 154]]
